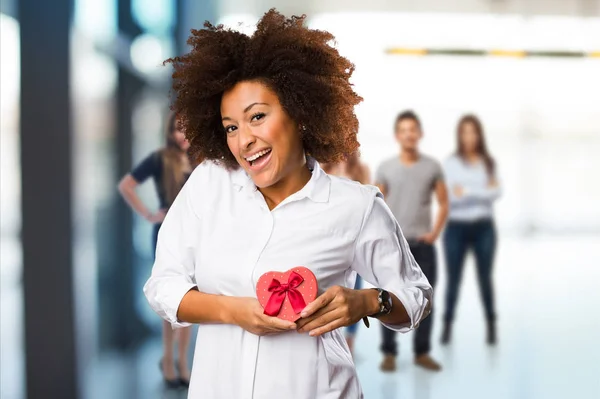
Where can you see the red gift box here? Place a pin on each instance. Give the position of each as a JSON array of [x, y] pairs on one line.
[[285, 294]]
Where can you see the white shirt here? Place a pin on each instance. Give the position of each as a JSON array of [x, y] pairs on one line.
[[220, 236], [478, 197]]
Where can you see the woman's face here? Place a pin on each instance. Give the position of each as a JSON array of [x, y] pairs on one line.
[[181, 140], [469, 137], [264, 140]]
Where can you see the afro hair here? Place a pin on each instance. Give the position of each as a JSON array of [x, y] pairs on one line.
[[309, 76]]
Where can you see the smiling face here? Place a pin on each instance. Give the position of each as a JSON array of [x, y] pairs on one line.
[[264, 140], [176, 137], [408, 134], [180, 139], [469, 138]]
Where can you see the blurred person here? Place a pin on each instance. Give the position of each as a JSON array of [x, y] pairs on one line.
[[260, 112], [169, 167], [473, 185], [351, 168], [408, 181], [331, 168]]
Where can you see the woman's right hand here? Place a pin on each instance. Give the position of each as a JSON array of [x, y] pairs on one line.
[[157, 217], [249, 314], [458, 191]]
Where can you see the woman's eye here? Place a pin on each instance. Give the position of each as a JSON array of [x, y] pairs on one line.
[[257, 117], [230, 129]]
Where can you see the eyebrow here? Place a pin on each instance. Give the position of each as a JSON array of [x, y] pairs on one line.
[[248, 108]]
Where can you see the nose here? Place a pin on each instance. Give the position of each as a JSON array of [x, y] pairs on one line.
[[246, 137]]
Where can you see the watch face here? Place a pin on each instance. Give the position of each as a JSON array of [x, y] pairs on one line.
[[385, 296], [386, 301]]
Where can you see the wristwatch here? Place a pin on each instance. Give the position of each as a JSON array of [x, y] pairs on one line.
[[385, 304]]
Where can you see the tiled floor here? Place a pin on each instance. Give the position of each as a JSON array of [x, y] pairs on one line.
[[549, 327]]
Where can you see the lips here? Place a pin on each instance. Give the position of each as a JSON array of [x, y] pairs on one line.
[[257, 155], [259, 160]]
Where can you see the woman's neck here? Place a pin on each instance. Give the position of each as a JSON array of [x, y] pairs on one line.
[[471, 157], [287, 186]]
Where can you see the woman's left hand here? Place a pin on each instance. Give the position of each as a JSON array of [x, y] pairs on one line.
[[337, 307], [458, 191]]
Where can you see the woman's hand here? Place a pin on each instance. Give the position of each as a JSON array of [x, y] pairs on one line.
[[248, 314], [337, 307], [428, 238], [157, 217], [458, 191]]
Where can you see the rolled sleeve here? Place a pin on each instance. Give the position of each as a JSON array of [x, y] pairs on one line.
[[173, 273], [166, 301], [380, 176], [383, 258], [438, 174]]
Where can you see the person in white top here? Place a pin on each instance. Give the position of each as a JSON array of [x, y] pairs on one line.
[[472, 179], [260, 112]]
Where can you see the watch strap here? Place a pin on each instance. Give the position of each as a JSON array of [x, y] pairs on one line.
[[382, 305]]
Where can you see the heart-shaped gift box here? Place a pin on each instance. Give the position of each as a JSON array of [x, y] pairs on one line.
[[285, 294]]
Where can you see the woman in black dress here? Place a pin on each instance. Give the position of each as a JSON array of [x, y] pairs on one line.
[[169, 167]]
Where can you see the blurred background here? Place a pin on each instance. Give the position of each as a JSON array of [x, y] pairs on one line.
[[84, 98]]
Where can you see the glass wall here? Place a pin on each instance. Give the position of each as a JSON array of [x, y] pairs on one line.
[[149, 119], [111, 67], [93, 87]]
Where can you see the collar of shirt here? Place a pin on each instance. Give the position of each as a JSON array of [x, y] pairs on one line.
[[317, 189]]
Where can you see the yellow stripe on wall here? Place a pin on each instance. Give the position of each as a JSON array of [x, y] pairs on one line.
[[490, 53], [508, 53], [407, 51]]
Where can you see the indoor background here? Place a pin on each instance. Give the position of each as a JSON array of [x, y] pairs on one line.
[[84, 97]]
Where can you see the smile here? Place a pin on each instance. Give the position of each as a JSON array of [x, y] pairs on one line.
[[259, 159]]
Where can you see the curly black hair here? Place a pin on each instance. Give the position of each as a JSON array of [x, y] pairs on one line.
[[309, 76]]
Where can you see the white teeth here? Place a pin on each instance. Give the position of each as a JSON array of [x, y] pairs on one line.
[[258, 154]]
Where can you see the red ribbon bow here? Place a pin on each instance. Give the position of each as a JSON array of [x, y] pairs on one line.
[[279, 292]]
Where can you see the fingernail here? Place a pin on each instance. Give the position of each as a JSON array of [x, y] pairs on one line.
[[303, 314], [312, 333]]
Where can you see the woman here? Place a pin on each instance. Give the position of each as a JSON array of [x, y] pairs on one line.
[[473, 186], [351, 168], [169, 167], [260, 113]]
